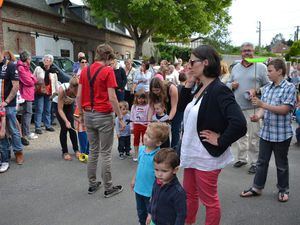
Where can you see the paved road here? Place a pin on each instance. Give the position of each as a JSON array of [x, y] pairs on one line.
[[49, 191]]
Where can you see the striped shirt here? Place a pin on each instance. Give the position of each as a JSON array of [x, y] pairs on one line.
[[276, 127]]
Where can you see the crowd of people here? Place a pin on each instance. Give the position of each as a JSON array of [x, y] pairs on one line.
[[179, 115]]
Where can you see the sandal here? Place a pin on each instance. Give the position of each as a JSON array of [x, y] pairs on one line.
[[249, 193], [283, 196], [77, 154], [67, 157]]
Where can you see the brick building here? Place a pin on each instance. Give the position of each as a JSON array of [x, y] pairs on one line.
[[57, 27]]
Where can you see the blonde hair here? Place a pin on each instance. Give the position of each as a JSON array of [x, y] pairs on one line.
[[224, 68], [160, 130], [124, 104], [74, 81]]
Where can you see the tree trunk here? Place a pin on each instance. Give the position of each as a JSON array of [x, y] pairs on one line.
[[138, 48]]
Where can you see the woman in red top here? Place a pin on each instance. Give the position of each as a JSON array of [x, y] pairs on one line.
[[96, 101]]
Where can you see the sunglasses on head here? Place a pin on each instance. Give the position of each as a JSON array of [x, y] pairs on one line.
[[193, 61]]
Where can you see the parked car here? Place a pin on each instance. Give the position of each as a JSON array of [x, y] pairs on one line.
[[135, 63], [62, 64]]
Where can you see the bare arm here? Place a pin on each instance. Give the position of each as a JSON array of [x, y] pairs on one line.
[[60, 106], [3, 128], [174, 100], [78, 102], [13, 92], [115, 104]]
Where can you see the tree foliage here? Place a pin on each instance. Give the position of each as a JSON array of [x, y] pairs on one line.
[[294, 51], [169, 52], [175, 19]]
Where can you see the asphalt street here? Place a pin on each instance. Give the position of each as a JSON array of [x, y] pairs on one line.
[[47, 190]]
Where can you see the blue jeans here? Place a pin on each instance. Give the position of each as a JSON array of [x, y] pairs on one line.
[[83, 142], [142, 204], [280, 150], [176, 128], [11, 117], [42, 111], [5, 149]]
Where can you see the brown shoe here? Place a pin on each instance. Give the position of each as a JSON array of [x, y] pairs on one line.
[[19, 157]]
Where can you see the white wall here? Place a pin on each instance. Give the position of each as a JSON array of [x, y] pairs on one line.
[[47, 45]]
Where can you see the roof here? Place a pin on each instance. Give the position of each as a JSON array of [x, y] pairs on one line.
[[42, 6]]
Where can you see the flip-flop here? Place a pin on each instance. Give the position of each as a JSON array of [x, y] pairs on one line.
[[251, 193], [67, 157], [281, 195]]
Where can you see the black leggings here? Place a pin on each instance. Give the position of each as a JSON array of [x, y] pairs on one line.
[[69, 111]]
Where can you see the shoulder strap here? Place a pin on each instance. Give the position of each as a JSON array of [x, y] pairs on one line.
[[91, 83]]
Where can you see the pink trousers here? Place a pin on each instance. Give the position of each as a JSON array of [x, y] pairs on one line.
[[202, 186]]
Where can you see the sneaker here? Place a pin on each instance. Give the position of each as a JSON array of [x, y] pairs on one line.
[[122, 156], [51, 129], [93, 189], [238, 164], [135, 159], [4, 167], [114, 191], [128, 154], [38, 131], [24, 141], [32, 136], [252, 169]]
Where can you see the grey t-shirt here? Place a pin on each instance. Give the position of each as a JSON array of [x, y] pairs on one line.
[[245, 76]]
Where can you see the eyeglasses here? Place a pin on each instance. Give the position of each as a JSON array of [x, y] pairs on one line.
[[192, 61], [83, 62]]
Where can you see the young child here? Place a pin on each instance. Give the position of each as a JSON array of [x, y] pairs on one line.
[[4, 144], [124, 135], [160, 115], [82, 136], [139, 115], [168, 200], [143, 180], [276, 104]]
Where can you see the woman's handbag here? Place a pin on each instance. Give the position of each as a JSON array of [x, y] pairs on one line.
[[40, 89]]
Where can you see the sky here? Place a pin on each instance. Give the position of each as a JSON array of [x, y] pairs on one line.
[[275, 17]]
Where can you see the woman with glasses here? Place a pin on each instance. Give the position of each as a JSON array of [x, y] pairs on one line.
[[212, 122], [82, 63]]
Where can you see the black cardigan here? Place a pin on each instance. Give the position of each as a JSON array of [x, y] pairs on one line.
[[218, 112]]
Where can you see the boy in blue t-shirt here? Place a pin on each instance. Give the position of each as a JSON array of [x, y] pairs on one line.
[[143, 180]]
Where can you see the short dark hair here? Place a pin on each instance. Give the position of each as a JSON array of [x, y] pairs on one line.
[[182, 77], [152, 60], [278, 64], [24, 56], [168, 156], [206, 52]]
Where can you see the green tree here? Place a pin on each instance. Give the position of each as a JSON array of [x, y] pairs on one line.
[[175, 19], [294, 50]]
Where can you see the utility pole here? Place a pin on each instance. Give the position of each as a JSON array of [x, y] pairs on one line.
[[259, 35], [297, 33]]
